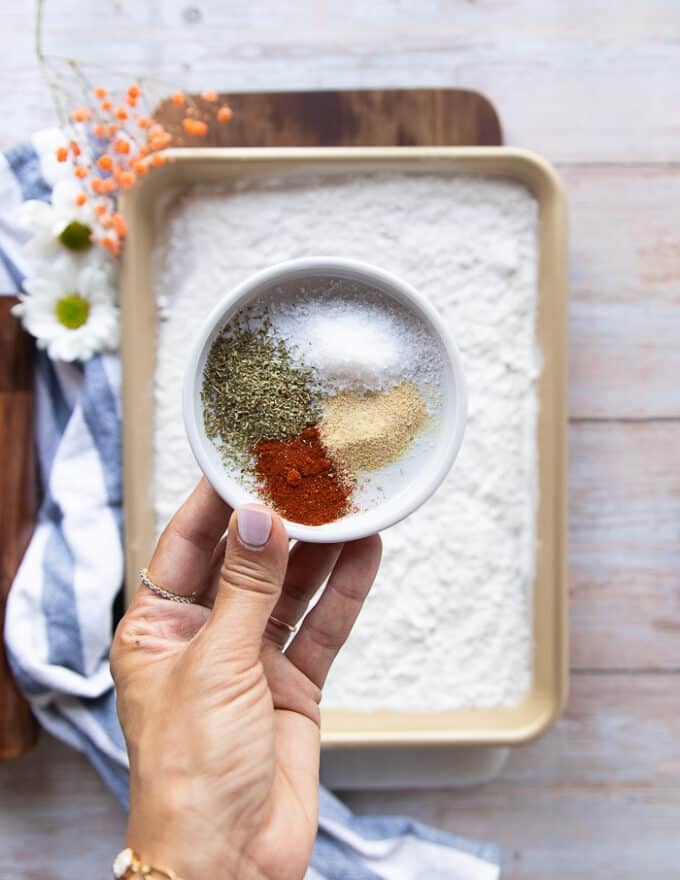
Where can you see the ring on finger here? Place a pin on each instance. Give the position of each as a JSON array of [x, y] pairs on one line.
[[192, 599], [290, 627]]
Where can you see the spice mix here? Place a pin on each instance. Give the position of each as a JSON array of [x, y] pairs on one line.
[[311, 396]]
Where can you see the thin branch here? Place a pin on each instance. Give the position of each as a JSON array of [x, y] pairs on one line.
[[39, 9]]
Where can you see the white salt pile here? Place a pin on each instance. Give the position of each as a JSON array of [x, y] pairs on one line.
[[348, 351], [355, 338]]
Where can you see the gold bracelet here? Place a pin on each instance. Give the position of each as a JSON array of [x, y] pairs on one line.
[[128, 866]]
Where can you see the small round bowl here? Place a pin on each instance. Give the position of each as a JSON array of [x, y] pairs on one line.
[[405, 493]]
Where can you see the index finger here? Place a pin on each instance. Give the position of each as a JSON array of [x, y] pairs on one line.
[[182, 560]]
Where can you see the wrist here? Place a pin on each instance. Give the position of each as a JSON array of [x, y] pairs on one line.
[[184, 854], [187, 855], [166, 830], [129, 864]]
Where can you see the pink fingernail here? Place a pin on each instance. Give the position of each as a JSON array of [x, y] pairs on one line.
[[254, 526]]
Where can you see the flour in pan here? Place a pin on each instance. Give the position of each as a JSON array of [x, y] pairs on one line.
[[448, 624]]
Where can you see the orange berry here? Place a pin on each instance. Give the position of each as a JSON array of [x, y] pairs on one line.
[[106, 106], [144, 150], [80, 199], [105, 220], [82, 114], [127, 179], [140, 167], [131, 102], [62, 154], [195, 127], [160, 142], [100, 209], [119, 225], [105, 162], [112, 130], [121, 113], [178, 99], [144, 122], [110, 243], [225, 113], [155, 129], [210, 96], [157, 160], [100, 130], [121, 146], [134, 91], [96, 184], [80, 172], [75, 148], [100, 92], [108, 186]]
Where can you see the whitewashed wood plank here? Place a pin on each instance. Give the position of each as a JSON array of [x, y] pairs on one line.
[[625, 236], [575, 82], [599, 796], [57, 820], [624, 359], [420, 23], [624, 552], [625, 290]]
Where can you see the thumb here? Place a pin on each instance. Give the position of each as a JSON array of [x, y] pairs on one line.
[[251, 578]]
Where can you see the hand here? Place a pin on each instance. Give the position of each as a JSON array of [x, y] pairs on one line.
[[222, 725]]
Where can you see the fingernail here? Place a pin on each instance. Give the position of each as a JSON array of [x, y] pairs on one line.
[[254, 526]]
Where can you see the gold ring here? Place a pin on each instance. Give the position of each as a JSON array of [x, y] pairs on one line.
[[282, 623], [163, 593]]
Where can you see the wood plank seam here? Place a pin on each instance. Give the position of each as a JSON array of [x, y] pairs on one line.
[[639, 670], [623, 420]]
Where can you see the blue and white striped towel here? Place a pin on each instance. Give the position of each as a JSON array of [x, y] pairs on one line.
[[59, 614]]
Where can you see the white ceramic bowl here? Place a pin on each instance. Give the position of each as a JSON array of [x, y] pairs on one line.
[[422, 478]]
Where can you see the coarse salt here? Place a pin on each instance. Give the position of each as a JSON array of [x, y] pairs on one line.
[[349, 351], [355, 339]]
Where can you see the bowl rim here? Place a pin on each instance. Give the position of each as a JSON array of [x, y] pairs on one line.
[[368, 522]]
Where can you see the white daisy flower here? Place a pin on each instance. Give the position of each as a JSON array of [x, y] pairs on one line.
[[71, 312], [61, 227]]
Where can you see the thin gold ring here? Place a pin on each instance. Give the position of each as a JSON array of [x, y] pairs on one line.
[[166, 594], [282, 623]]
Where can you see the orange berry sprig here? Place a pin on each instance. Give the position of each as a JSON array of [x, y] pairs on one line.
[[112, 143], [196, 120]]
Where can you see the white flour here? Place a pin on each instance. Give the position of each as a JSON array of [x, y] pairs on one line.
[[448, 623]]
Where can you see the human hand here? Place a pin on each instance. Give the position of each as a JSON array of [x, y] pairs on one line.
[[221, 725]]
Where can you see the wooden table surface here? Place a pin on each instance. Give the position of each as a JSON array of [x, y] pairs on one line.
[[595, 87]]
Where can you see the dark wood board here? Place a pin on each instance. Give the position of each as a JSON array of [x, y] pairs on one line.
[[18, 505], [374, 117]]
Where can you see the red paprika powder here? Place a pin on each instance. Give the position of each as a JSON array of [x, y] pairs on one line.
[[300, 480]]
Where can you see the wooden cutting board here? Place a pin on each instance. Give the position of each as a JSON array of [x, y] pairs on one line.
[[375, 117], [18, 506]]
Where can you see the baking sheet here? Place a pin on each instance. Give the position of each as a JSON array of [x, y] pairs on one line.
[[345, 727]]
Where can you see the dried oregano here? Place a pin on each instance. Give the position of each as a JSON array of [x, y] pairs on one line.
[[253, 391]]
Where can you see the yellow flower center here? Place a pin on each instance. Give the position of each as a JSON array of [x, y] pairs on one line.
[[76, 236], [72, 310]]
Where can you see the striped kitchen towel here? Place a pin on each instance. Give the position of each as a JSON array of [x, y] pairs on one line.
[[59, 615]]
